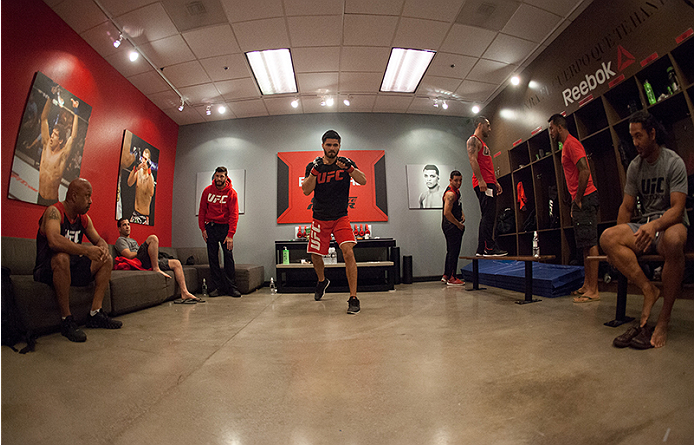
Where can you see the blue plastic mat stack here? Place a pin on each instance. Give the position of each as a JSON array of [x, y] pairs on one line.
[[549, 280]]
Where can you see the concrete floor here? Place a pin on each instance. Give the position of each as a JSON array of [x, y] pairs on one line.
[[424, 364]]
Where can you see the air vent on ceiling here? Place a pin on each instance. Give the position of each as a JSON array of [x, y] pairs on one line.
[[488, 14], [187, 14], [196, 8]]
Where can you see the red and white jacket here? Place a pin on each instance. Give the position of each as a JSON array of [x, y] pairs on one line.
[[219, 207]]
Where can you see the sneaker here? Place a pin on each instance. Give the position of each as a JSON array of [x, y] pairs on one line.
[[214, 293], [479, 253], [444, 279], [321, 286], [353, 307], [101, 320], [235, 292], [643, 340], [625, 339], [455, 282], [494, 252], [69, 329]]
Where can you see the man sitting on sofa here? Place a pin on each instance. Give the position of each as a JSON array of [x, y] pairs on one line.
[[62, 260], [148, 254]]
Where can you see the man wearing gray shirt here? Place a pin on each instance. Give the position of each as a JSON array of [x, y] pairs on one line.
[[659, 178]]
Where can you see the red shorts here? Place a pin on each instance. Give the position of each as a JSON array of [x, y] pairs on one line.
[[319, 241]]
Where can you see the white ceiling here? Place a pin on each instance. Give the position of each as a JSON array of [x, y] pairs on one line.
[[339, 48]]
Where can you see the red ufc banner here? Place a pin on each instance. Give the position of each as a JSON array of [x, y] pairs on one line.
[[366, 202]]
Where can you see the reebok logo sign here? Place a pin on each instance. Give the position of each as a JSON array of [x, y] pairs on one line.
[[590, 83]]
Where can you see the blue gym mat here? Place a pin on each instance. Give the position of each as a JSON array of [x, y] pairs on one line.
[[549, 280]]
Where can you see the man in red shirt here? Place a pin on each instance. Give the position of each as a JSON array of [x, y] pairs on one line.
[[584, 206], [485, 185], [217, 219]]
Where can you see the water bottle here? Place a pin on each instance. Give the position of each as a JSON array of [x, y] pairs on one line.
[[273, 288], [333, 255], [672, 78], [285, 255], [204, 287], [536, 245], [649, 92]]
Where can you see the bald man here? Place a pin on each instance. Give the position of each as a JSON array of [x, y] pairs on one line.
[[62, 260]]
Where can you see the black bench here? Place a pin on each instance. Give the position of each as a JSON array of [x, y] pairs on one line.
[[528, 259]]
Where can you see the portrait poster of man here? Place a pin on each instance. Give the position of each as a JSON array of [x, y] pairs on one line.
[[426, 184], [50, 143], [137, 180]]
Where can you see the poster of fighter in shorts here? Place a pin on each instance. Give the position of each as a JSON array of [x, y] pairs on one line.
[[50, 143], [137, 180]]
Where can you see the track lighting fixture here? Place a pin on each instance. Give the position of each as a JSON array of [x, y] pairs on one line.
[[182, 106], [445, 105], [208, 110], [117, 43], [295, 103]]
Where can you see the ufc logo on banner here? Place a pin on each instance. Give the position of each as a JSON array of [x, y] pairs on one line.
[[222, 199], [315, 242]]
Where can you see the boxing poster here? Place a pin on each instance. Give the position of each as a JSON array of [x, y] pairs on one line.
[[367, 203], [50, 144], [426, 184], [137, 180]]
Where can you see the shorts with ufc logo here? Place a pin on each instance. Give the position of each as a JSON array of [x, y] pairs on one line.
[[319, 240]]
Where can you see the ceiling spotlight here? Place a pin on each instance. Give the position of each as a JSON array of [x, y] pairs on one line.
[[134, 55], [222, 109], [117, 43], [208, 110], [347, 102], [445, 105], [295, 103], [475, 109], [322, 101], [329, 101], [515, 80], [436, 103], [182, 106]]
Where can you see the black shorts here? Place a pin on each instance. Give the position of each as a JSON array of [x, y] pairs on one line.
[[143, 256], [80, 272], [585, 221]]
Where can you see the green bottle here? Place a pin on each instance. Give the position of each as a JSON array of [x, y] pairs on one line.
[[649, 92], [285, 256]]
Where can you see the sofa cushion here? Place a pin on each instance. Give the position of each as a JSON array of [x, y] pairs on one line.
[[136, 289], [249, 277], [19, 254], [199, 255]]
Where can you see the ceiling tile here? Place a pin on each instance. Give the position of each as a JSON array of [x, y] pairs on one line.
[[531, 23], [121, 61], [319, 30], [509, 49], [313, 105], [186, 74], [188, 116], [238, 89], [579, 9], [534, 55], [149, 82], [316, 60], [282, 105], [313, 7], [243, 10], [213, 41], [451, 65], [557, 32], [473, 91], [201, 94], [424, 105], [360, 82], [232, 66], [165, 100], [81, 15], [487, 14], [491, 71], [168, 51], [363, 58], [468, 40], [459, 108], [359, 103], [433, 86], [120, 7], [364, 30], [392, 104], [261, 34], [381, 7], [192, 14], [443, 10], [420, 34], [558, 7], [147, 24], [249, 108], [317, 83], [101, 38]]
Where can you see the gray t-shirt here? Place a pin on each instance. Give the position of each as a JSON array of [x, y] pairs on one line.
[[653, 183], [126, 243]]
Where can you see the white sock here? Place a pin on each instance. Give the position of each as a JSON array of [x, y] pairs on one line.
[[93, 313]]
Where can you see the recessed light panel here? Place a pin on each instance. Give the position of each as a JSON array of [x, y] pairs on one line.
[[273, 71], [406, 67]]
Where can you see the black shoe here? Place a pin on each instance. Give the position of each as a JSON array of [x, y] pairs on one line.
[[494, 252], [101, 320], [625, 339], [353, 307], [321, 286], [234, 292], [643, 340], [215, 293], [69, 329], [479, 253]]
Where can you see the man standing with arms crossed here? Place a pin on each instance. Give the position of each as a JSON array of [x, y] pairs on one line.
[[485, 185], [217, 218], [584, 205], [329, 178]]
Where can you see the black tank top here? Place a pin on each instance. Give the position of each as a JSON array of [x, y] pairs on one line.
[[72, 230], [457, 209]]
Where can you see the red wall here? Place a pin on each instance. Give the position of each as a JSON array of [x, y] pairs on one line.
[[34, 39]]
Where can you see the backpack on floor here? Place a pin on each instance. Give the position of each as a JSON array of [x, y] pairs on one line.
[[13, 330]]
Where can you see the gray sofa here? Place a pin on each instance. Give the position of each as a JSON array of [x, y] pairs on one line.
[[128, 290]]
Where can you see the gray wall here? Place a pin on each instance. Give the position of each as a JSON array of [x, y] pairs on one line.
[[252, 144]]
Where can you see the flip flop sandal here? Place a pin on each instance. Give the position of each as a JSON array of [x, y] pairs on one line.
[[185, 301], [584, 299], [577, 293]]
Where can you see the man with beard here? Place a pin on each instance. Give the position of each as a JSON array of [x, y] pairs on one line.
[[453, 228], [658, 177], [329, 178], [217, 219], [144, 190], [432, 196], [62, 260]]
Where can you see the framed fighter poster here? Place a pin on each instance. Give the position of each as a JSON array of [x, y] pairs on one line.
[[426, 184], [367, 203], [238, 183], [50, 143], [137, 180]]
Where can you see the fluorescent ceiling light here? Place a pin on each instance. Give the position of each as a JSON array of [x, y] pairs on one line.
[[273, 71], [406, 67]]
